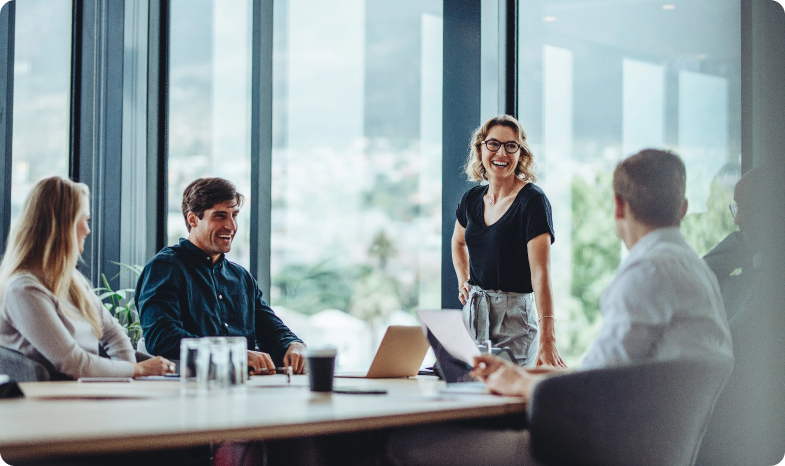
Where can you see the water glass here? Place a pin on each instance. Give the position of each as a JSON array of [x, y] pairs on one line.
[[212, 369], [238, 361], [192, 351], [213, 364]]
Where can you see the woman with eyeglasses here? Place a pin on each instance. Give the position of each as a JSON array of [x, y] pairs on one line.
[[501, 247], [48, 311]]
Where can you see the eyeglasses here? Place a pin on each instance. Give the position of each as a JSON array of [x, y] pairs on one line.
[[734, 209], [493, 145]]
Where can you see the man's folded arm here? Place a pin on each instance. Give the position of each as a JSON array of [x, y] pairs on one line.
[[272, 335], [159, 310]]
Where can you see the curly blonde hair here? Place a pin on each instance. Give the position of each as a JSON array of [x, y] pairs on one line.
[[525, 170]]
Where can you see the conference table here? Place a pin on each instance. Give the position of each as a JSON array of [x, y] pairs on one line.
[[71, 418]]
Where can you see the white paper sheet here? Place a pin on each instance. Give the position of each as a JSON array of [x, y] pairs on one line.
[[448, 327]]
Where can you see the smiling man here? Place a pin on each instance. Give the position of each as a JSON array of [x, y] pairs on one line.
[[190, 290]]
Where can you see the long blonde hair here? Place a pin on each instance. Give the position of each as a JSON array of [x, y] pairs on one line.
[[525, 170], [44, 241]]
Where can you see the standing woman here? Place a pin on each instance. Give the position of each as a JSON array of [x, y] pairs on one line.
[[48, 311], [501, 246]]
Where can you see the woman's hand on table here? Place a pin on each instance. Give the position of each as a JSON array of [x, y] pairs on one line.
[[153, 366], [548, 355]]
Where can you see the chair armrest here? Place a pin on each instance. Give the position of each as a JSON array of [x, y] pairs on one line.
[[20, 368]]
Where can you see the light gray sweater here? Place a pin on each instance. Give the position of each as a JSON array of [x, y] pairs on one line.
[[51, 331]]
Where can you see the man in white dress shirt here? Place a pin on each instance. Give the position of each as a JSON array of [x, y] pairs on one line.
[[664, 303]]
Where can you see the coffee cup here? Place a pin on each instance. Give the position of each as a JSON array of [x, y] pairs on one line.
[[320, 364]]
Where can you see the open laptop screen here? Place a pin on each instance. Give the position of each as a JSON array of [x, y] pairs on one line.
[[452, 344], [453, 369]]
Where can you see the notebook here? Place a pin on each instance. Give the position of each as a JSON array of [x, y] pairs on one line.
[[400, 354]]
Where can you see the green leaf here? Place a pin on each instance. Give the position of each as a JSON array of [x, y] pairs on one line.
[[106, 284], [103, 296], [136, 269]]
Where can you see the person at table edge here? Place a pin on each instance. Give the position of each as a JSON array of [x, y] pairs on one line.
[[190, 290]]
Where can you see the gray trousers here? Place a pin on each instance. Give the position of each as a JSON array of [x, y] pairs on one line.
[[507, 319]]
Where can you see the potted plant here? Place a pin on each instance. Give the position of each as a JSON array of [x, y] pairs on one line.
[[121, 304]]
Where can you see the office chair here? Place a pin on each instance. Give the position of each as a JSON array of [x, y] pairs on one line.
[[748, 423], [643, 414], [20, 368]]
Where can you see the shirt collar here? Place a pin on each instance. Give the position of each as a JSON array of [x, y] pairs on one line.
[[198, 255], [668, 234]]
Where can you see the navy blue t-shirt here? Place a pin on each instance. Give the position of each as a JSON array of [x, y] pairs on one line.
[[498, 259]]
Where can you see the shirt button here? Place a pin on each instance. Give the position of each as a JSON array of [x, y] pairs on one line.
[[220, 296], [226, 325]]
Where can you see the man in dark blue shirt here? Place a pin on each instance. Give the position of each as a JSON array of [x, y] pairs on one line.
[[190, 290]]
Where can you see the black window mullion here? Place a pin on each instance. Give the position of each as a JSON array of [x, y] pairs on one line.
[[76, 89], [461, 101], [96, 127], [261, 141], [7, 31], [511, 59], [157, 124]]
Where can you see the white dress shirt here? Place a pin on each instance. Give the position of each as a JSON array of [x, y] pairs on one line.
[[664, 303]]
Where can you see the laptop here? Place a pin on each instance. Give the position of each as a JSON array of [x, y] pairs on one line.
[[454, 349], [400, 354]]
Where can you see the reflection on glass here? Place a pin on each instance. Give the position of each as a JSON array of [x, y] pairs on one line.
[[42, 89], [210, 106], [601, 81], [356, 185]]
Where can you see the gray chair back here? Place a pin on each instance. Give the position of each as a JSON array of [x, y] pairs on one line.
[[748, 423], [21, 368], [644, 414]]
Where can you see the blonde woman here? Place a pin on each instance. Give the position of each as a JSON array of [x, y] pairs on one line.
[[47, 309], [501, 246]]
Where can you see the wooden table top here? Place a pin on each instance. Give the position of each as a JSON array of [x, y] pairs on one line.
[[61, 418]]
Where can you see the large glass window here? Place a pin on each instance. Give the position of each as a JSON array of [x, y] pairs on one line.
[[356, 181], [42, 89], [600, 81], [210, 106]]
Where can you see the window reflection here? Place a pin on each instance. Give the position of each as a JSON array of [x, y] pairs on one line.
[[42, 89], [356, 185], [601, 81], [209, 106]]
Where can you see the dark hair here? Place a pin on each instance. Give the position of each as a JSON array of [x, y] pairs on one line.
[[653, 183], [204, 193]]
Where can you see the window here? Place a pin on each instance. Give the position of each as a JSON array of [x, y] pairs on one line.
[[598, 82], [356, 169], [210, 106], [42, 89]]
